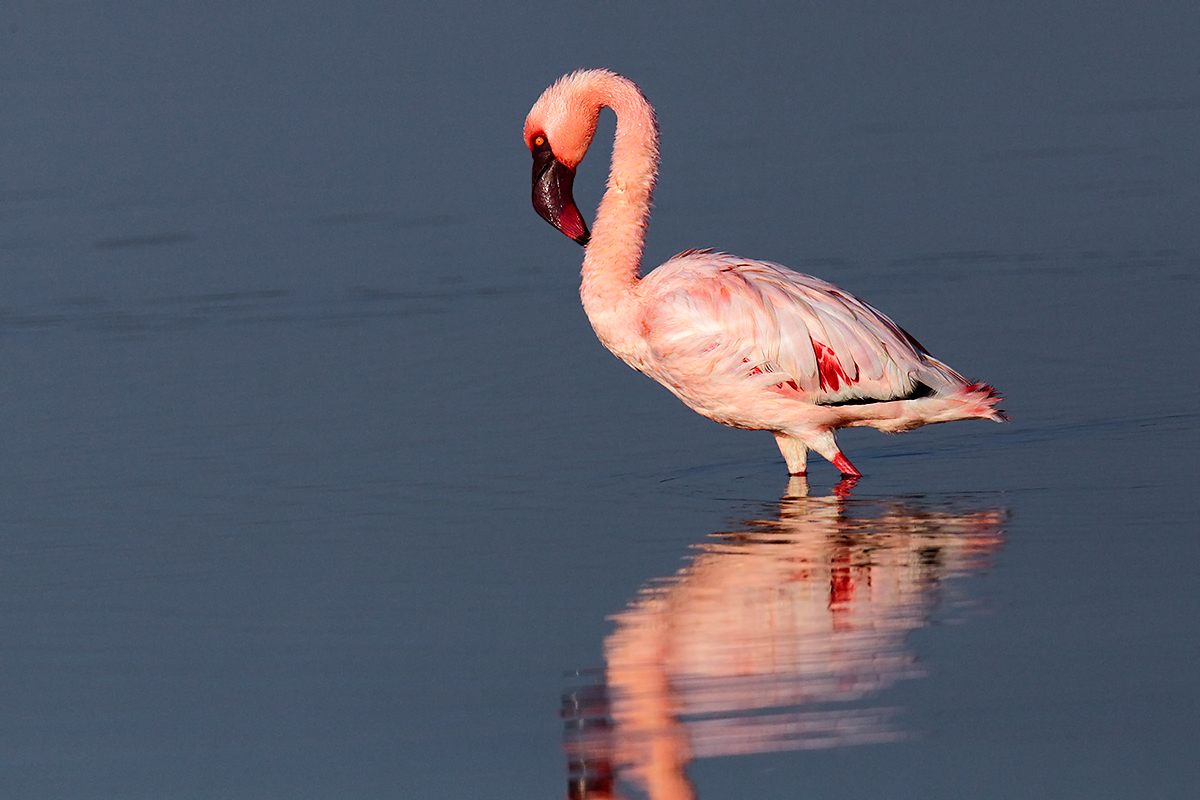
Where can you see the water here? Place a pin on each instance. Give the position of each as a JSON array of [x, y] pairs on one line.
[[316, 482]]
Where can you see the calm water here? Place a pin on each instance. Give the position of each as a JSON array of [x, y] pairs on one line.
[[317, 484]]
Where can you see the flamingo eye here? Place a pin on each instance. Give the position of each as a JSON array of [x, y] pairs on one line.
[[539, 140]]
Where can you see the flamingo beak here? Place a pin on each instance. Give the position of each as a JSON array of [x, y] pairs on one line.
[[552, 199]]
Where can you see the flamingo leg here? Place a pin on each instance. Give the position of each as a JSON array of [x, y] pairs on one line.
[[823, 442], [845, 467], [795, 453]]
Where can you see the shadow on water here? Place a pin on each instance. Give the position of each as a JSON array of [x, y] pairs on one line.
[[774, 637]]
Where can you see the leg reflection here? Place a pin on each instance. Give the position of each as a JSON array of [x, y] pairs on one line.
[[772, 637]]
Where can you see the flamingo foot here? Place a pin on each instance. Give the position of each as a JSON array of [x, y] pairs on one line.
[[845, 467]]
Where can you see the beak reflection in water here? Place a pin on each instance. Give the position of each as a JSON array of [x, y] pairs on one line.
[[770, 638]]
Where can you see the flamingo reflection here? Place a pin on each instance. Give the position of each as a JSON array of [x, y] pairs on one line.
[[771, 638]]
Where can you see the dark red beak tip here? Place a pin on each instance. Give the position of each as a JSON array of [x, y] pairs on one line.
[[571, 223]]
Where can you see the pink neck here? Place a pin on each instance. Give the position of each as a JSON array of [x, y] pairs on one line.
[[614, 255]]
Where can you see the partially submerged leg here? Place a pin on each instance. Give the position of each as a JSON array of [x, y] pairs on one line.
[[795, 453], [845, 467], [824, 444]]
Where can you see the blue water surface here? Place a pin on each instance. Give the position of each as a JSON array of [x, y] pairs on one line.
[[316, 483]]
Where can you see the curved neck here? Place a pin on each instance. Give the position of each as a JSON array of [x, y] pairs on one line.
[[614, 254]]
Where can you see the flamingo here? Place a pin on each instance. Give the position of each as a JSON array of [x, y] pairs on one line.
[[750, 344]]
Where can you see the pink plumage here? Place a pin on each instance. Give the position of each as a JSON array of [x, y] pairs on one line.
[[746, 343]]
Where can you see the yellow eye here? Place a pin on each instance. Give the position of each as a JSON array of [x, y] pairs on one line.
[[538, 141]]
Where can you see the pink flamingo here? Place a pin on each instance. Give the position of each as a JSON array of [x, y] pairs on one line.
[[745, 343]]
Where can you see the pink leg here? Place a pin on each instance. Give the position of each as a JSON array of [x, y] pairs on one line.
[[845, 467], [794, 452], [822, 441]]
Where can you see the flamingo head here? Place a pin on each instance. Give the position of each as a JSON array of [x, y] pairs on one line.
[[558, 131]]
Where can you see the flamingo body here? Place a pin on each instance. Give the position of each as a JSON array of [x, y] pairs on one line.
[[746, 343]]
